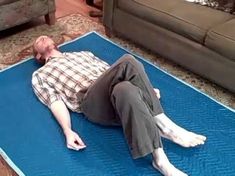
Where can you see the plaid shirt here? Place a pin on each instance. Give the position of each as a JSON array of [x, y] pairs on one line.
[[62, 78]]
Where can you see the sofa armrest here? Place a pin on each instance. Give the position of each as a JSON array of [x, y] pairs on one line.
[[108, 8]]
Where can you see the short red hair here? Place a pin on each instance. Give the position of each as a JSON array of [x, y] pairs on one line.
[[37, 55]]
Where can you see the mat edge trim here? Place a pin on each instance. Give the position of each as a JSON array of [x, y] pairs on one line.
[[11, 163]]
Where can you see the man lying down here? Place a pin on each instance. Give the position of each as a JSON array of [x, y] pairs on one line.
[[81, 82]]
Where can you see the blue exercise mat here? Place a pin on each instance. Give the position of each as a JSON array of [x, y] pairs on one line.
[[31, 137]]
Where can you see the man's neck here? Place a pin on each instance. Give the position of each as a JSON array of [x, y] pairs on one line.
[[53, 53]]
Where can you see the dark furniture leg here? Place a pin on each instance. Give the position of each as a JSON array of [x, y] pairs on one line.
[[99, 5], [90, 2], [50, 18], [108, 32]]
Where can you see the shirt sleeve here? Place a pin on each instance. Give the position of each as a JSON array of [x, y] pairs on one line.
[[45, 92]]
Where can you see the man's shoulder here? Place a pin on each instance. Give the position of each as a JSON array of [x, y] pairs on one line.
[[38, 72], [35, 75]]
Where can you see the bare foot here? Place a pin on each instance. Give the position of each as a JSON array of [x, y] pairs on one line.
[[177, 134], [163, 165]]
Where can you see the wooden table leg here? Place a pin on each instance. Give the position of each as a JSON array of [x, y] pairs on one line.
[[90, 2], [50, 18]]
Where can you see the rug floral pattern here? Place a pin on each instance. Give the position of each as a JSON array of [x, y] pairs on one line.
[[14, 48]]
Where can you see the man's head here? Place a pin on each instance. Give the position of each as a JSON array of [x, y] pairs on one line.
[[42, 47]]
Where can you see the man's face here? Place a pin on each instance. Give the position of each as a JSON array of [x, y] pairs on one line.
[[42, 45]]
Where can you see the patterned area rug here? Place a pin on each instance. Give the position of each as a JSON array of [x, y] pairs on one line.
[[16, 47]]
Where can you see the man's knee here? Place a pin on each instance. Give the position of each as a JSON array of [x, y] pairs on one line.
[[128, 58], [125, 90]]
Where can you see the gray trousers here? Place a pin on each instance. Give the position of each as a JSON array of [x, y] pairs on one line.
[[124, 96]]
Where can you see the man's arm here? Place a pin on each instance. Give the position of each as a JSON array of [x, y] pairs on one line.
[[62, 115], [48, 96]]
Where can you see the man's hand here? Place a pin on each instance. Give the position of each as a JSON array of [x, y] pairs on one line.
[[73, 140], [62, 115], [157, 91]]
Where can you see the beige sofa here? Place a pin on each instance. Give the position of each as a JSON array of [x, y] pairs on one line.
[[199, 38], [15, 12]]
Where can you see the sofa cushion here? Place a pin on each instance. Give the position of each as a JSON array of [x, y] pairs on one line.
[[185, 18], [222, 39], [4, 2]]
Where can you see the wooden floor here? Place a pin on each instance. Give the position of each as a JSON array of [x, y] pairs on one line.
[[66, 7]]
